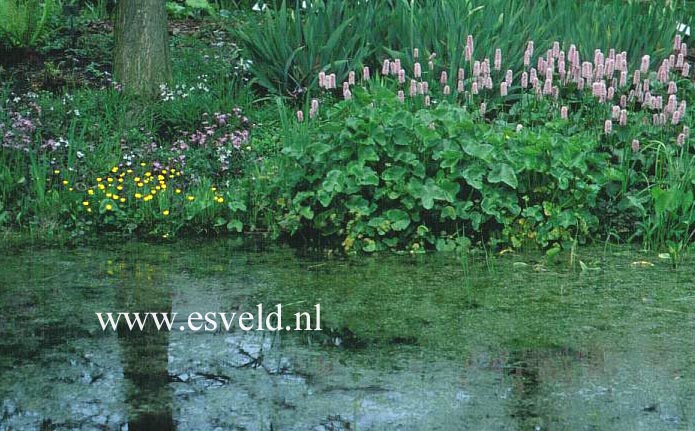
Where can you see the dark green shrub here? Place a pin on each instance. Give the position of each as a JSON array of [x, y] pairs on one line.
[[377, 173]]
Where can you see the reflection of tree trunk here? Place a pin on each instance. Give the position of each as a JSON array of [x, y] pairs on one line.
[[145, 353], [524, 370]]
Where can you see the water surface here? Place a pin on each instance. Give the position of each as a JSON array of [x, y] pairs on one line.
[[427, 342]]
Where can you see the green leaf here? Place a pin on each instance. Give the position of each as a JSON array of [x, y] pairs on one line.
[[236, 225], [400, 220], [480, 151], [502, 172]]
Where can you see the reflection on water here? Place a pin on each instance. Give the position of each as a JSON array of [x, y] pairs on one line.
[[409, 343], [145, 354]]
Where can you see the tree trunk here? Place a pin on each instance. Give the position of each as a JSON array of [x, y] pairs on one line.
[[141, 60]]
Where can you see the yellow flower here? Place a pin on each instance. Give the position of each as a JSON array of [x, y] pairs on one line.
[[164, 171], [120, 180], [173, 170], [85, 203], [140, 184], [109, 207], [158, 188], [90, 192], [190, 198], [130, 171], [119, 187], [220, 199], [109, 179], [178, 174], [165, 212], [214, 189], [101, 187], [164, 186], [115, 197], [147, 198], [89, 210], [138, 195], [122, 199], [178, 191], [70, 189], [98, 179], [143, 164], [148, 174], [114, 169], [160, 177], [108, 195], [65, 182], [136, 179], [154, 192], [56, 172]]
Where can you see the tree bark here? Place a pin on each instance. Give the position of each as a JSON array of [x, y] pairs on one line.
[[141, 60]]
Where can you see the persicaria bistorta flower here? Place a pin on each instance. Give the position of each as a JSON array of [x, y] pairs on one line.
[[498, 59], [417, 70], [563, 112], [608, 127], [635, 145], [300, 116]]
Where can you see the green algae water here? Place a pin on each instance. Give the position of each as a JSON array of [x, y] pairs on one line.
[[425, 342]]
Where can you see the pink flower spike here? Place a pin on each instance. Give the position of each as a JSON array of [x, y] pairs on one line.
[[474, 88], [401, 76], [365, 73], [417, 71], [386, 67], [483, 108], [677, 42], [447, 90], [686, 131], [686, 70], [401, 96], [412, 91], [300, 116], [635, 145], [615, 112], [460, 86], [431, 64], [427, 100], [461, 74], [644, 67], [503, 89], [322, 79], [563, 112], [351, 77], [509, 76], [498, 59], [672, 88], [680, 140], [608, 127], [524, 80], [443, 79], [684, 49], [347, 95], [623, 117], [416, 53], [676, 118]]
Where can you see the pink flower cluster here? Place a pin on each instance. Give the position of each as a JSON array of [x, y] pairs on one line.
[[607, 76]]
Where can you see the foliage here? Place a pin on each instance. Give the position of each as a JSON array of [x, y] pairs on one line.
[[381, 175], [24, 23], [189, 9], [288, 47]]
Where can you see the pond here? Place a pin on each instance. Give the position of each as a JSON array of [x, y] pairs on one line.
[[423, 342]]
